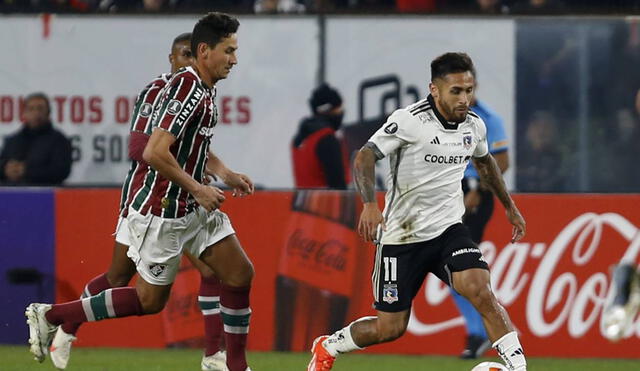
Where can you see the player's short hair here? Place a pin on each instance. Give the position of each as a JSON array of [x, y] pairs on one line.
[[211, 29], [38, 95], [181, 38], [451, 63]]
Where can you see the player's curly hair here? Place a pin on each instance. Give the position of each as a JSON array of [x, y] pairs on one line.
[[211, 29], [451, 63]]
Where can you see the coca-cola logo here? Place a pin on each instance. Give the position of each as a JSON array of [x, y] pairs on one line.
[[556, 299], [329, 253]]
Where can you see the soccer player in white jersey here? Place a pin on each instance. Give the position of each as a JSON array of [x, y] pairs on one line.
[[429, 144], [174, 210]]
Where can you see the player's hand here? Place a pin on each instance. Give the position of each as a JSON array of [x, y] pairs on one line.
[[471, 201], [240, 183], [370, 219], [209, 197], [519, 225]]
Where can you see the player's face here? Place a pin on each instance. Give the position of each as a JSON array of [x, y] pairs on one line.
[[180, 56], [36, 112], [453, 95], [220, 59]]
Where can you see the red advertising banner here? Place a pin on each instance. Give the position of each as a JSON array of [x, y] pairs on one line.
[[85, 222], [319, 252], [182, 319], [553, 283]]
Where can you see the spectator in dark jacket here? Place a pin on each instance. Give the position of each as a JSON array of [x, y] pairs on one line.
[[319, 161], [37, 153]]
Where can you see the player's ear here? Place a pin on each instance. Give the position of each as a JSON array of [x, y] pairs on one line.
[[433, 89], [171, 59], [203, 49]]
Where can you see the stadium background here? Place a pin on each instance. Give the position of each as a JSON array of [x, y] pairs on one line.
[[578, 74]]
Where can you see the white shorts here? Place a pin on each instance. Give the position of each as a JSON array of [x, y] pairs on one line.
[[156, 244], [122, 231]]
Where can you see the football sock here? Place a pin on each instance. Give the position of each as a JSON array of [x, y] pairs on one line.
[[341, 341], [93, 287], [234, 307], [209, 301], [111, 303], [510, 350]]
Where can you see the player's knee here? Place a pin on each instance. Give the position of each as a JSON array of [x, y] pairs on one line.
[[242, 276], [390, 331], [479, 295], [118, 279], [152, 301], [206, 272], [152, 305]]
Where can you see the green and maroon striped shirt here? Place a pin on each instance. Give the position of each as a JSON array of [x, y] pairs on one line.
[[143, 109], [187, 111]]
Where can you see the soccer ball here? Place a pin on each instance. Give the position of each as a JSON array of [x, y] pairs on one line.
[[489, 366]]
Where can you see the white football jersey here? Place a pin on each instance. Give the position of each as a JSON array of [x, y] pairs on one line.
[[428, 156]]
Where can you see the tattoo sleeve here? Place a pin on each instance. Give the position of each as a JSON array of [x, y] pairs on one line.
[[365, 173], [490, 174]]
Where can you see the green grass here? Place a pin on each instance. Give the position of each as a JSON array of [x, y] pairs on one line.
[[14, 358]]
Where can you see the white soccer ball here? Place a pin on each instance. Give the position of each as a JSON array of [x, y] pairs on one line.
[[489, 366]]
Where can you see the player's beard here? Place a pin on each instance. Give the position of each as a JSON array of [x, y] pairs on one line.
[[454, 114], [460, 115]]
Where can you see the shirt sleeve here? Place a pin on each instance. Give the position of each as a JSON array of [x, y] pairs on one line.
[[496, 135], [399, 130], [482, 148], [180, 101], [143, 108]]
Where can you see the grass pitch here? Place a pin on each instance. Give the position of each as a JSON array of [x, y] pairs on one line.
[[18, 358]]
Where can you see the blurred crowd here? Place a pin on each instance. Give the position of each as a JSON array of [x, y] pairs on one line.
[[578, 106], [577, 124], [495, 7]]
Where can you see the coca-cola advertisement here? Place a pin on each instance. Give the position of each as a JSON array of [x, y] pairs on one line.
[[553, 283], [313, 274]]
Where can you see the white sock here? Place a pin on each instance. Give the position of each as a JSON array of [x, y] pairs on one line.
[[341, 341], [510, 350]]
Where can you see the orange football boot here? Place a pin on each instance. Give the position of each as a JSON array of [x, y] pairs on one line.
[[321, 360]]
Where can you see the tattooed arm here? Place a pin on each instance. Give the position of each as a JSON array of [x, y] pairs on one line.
[[365, 177], [491, 175]]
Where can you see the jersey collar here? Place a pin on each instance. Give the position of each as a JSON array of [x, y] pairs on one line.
[[446, 124], [211, 89]]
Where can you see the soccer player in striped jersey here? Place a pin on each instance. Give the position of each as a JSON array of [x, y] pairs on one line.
[[122, 269], [429, 145], [173, 210]]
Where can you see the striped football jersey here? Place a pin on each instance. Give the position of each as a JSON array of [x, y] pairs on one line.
[[143, 108], [187, 111]]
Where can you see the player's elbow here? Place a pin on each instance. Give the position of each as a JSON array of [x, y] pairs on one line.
[[149, 155], [364, 158]]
